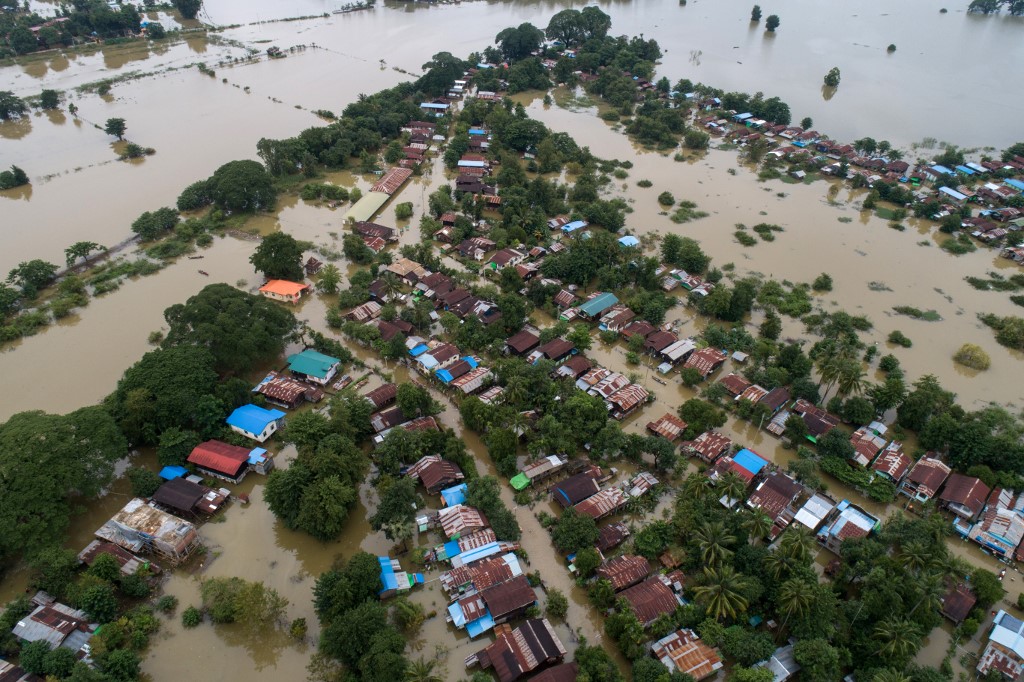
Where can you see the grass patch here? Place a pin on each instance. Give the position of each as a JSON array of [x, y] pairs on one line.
[[644, 183], [959, 246], [900, 339], [744, 239], [1009, 330], [845, 219], [687, 211], [765, 230], [917, 313]]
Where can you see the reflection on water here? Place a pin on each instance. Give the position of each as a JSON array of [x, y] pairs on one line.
[[16, 129]]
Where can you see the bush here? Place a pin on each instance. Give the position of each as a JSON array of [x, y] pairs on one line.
[[191, 617], [558, 604], [644, 183], [900, 339], [403, 211], [744, 239], [823, 282], [973, 356], [167, 603], [143, 481], [666, 199]]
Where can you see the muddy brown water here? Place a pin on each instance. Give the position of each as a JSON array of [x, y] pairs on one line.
[[196, 123]]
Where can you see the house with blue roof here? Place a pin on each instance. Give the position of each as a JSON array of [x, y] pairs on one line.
[[598, 305], [256, 422], [310, 365], [1016, 184], [1005, 649], [569, 228], [394, 579], [629, 240]]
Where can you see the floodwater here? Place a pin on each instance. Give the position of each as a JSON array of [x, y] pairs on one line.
[[196, 123]]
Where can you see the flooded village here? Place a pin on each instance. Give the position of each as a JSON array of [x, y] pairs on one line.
[[553, 355]]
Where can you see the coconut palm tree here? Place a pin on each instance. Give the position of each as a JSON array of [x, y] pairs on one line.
[[721, 592], [422, 671], [779, 564], [931, 587], [697, 485], [951, 566], [391, 286], [889, 675], [796, 543], [757, 524], [732, 486], [851, 378], [914, 555], [795, 598], [714, 540], [515, 391], [897, 638]]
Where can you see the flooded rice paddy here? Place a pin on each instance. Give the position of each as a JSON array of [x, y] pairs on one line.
[[195, 122]]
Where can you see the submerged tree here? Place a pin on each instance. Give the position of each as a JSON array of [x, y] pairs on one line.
[[772, 23], [755, 14], [116, 127], [832, 77]]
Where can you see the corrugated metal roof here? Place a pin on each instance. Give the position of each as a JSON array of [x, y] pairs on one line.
[[391, 180], [605, 502], [220, 457], [366, 207]]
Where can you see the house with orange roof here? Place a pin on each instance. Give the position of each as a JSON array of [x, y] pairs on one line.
[[283, 290]]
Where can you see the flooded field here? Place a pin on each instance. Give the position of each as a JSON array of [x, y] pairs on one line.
[[196, 123]]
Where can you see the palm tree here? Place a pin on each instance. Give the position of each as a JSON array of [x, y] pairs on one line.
[[721, 592], [951, 566], [889, 675], [330, 278], [714, 540], [779, 564], [795, 598], [914, 555], [422, 671], [796, 543], [897, 638], [515, 391], [932, 588], [732, 486], [697, 485], [757, 524], [851, 378], [391, 286]]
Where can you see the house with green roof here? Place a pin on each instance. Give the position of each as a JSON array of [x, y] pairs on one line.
[[597, 305], [313, 366]]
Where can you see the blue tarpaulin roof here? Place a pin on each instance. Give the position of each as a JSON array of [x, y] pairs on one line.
[[454, 495], [419, 350], [629, 240], [170, 473], [480, 625], [477, 131], [749, 461], [387, 574], [444, 375], [574, 225], [257, 455], [490, 549], [253, 418], [452, 549]]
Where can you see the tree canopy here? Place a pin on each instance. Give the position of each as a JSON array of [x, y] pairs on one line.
[[279, 256], [239, 329], [242, 186], [46, 462]]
